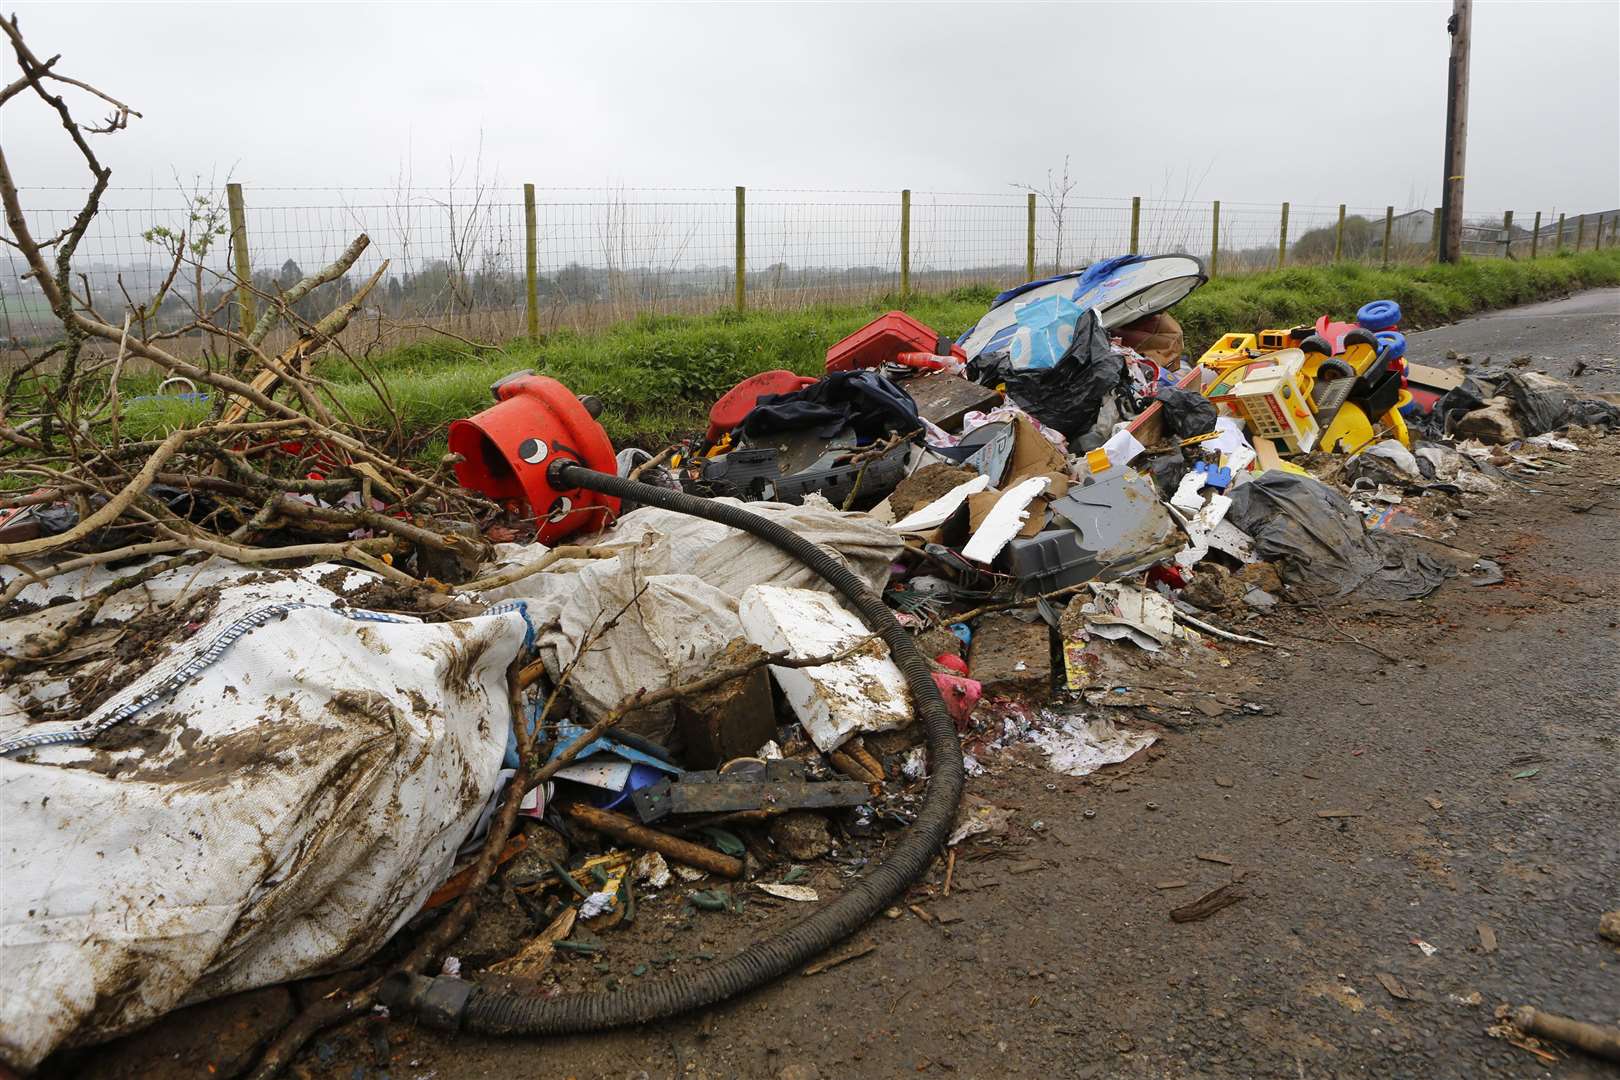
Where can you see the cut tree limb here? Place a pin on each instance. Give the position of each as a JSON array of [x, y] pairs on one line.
[[326, 274], [1599, 1040]]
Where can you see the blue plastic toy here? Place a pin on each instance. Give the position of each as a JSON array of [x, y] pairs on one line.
[[1391, 344], [1218, 477], [1379, 315]]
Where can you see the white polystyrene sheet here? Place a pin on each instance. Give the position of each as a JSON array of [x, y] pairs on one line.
[[862, 692], [1004, 520], [282, 813], [940, 510]]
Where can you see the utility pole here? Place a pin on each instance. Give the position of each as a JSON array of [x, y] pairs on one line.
[[1451, 203]]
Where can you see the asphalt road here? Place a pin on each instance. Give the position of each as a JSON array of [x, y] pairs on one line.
[[1557, 334]]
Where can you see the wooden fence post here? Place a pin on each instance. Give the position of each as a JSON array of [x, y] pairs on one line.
[[239, 250], [1029, 242], [1434, 239], [1580, 231], [742, 252], [1614, 230], [905, 245], [1338, 237], [1559, 246], [1535, 235], [1389, 232], [531, 261], [1136, 222], [1282, 239], [1507, 234], [1215, 238]]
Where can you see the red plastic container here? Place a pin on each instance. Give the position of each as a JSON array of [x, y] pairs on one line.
[[740, 400], [507, 448], [880, 341]]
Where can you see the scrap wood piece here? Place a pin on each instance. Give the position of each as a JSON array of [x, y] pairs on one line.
[[1599, 1040], [690, 795], [1214, 857], [457, 883], [532, 960], [1202, 908], [1487, 938], [671, 847], [851, 766], [856, 748], [1339, 813], [844, 957]]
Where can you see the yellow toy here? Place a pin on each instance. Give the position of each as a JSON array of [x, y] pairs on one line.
[[1275, 399], [1239, 348], [1348, 426], [1255, 376]]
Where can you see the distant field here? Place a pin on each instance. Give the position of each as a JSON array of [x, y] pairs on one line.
[[658, 375]]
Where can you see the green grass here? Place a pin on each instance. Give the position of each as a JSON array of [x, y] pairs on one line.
[[658, 375]]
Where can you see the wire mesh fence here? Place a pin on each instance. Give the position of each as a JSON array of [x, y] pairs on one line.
[[457, 258]]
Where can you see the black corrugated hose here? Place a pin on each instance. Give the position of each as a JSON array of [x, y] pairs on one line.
[[453, 1003]]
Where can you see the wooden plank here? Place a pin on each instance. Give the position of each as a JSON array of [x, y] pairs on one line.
[[945, 399], [1433, 378], [722, 796]]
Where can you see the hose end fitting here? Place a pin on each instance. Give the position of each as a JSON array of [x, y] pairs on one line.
[[557, 474], [439, 1001]]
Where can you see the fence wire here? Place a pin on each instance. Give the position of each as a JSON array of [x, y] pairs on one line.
[[457, 256]]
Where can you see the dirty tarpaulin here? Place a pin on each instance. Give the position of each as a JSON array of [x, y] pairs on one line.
[[298, 782], [1322, 545], [690, 574]]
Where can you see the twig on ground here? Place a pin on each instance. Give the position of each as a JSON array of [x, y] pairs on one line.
[[1225, 635], [518, 573]]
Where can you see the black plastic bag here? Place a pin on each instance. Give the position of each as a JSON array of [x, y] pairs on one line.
[[1457, 403], [1068, 396], [1544, 404], [58, 518], [1592, 412], [1167, 471], [1186, 412], [1321, 544], [1539, 402]]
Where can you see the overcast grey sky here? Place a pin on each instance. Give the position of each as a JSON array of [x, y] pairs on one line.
[[1314, 102]]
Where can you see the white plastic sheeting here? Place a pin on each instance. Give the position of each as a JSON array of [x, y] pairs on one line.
[[690, 574], [283, 812]]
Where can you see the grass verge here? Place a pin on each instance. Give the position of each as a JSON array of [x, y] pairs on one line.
[[659, 374]]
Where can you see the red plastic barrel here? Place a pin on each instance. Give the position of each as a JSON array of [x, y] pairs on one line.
[[507, 449]]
